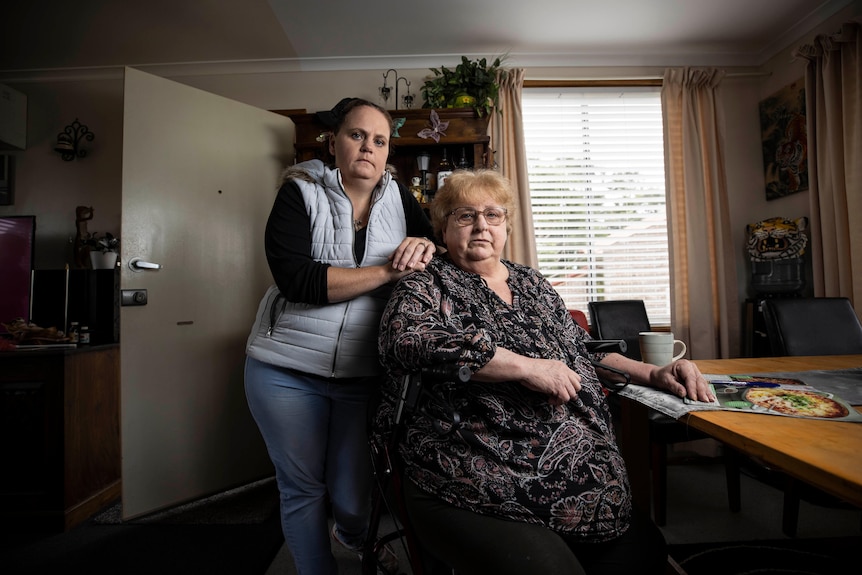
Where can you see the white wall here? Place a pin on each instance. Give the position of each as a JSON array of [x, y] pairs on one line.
[[51, 188], [745, 174]]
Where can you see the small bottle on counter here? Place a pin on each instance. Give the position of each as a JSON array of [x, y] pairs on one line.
[[84, 335], [73, 332], [463, 164], [444, 170]]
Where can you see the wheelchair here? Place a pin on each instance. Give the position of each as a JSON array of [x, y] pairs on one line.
[[387, 496]]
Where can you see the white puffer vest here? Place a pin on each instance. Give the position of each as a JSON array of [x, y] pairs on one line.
[[339, 339]]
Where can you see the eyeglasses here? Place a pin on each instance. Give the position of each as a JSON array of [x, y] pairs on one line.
[[467, 216]]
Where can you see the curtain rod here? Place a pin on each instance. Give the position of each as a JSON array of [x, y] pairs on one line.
[[630, 81]]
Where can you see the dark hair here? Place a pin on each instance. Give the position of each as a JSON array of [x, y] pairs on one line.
[[335, 117], [463, 186]]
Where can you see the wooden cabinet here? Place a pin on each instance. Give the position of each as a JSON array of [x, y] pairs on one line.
[[59, 435], [466, 131]]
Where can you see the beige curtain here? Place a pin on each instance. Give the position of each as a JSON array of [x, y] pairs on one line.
[[833, 96], [704, 303], [506, 130]]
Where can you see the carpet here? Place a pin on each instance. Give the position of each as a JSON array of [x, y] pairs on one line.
[[818, 556], [235, 533]]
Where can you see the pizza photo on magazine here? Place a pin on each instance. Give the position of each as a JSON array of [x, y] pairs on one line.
[[799, 402], [779, 396]]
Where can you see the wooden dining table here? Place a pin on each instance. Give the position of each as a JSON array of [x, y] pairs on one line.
[[825, 454]]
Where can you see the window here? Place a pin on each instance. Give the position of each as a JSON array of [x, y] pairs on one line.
[[595, 158]]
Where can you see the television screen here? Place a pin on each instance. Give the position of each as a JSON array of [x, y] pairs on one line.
[[17, 238]]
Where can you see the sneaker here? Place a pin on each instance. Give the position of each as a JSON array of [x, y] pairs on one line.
[[387, 561]]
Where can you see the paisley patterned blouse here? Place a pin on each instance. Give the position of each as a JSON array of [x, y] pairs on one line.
[[514, 455]]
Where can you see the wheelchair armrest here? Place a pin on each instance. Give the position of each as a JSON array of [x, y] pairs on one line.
[[607, 346], [613, 386], [412, 387]]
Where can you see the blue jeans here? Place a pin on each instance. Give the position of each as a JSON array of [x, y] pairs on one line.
[[316, 435]]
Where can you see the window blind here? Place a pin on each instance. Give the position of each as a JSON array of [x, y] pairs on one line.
[[596, 170]]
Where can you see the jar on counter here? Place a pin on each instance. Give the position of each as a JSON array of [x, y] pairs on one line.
[[84, 335], [74, 332]]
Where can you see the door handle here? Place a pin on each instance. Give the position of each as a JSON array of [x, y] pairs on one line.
[[138, 265]]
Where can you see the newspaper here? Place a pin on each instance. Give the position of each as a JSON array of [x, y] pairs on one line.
[[764, 394]]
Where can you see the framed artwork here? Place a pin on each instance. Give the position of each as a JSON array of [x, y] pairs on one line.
[[7, 163], [785, 143]]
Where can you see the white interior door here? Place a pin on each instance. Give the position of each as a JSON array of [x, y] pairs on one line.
[[199, 178]]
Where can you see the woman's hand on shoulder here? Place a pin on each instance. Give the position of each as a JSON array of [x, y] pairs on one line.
[[683, 379], [412, 254]]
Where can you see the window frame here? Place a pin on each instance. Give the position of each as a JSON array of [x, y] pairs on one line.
[[661, 317]]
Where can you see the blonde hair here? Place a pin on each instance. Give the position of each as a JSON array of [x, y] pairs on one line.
[[463, 187]]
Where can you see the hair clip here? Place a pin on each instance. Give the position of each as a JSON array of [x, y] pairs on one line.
[[332, 117]]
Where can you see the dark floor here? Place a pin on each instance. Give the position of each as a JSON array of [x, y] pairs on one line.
[[698, 513], [698, 510], [230, 533]]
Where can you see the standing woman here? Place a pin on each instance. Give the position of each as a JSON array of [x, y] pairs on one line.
[[340, 234]]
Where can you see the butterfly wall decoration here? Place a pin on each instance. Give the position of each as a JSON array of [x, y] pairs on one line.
[[437, 128]]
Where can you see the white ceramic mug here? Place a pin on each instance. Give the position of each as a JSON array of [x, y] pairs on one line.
[[657, 347]]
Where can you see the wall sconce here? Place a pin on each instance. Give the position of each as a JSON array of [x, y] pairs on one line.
[[386, 91], [69, 140], [408, 98]]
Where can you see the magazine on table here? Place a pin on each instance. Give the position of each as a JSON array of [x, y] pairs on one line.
[[768, 395], [777, 396]]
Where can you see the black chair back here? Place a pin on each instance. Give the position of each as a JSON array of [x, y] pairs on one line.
[[620, 319], [812, 326]]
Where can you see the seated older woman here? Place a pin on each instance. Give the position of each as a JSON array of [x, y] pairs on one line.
[[532, 481]]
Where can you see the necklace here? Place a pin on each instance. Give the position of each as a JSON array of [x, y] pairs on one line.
[[357, 225]]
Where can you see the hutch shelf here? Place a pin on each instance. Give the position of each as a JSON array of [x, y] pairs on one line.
[[466, 133]]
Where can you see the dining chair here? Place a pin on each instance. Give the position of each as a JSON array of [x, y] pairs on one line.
[[620, 319], [812, 326], [580, 319], [625, 319], [805, 326]]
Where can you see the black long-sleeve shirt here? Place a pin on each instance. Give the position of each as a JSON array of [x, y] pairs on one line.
[[287, 242]]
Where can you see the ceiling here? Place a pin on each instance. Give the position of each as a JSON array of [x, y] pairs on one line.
[[351, 34]]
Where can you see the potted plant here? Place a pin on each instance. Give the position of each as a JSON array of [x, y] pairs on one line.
[[472, 83], [103, 250]]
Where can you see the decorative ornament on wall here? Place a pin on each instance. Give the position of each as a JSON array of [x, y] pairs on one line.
[[70, 140], [397, 124], [776, 247], [776, 238], [437, 129], [386, 91], [785, 143]]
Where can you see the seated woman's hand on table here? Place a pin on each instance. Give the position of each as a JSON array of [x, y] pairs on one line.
[[683, 379]]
